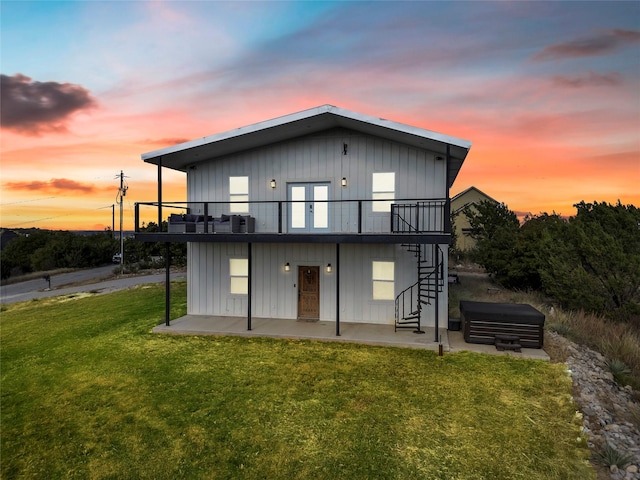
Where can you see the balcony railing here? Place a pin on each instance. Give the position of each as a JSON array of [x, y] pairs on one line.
[[408, 216]]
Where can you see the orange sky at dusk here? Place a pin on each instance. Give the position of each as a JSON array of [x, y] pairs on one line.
[[548, 93]]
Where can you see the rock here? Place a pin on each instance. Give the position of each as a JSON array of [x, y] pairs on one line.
[[605, 406]]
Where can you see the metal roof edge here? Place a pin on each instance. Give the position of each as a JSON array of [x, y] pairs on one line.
[[304, 114]]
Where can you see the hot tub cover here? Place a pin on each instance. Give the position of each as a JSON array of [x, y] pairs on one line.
[[502, 312]]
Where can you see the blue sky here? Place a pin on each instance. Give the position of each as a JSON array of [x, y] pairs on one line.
[[548, 92]]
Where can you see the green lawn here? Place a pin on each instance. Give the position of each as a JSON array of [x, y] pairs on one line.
[[89, 392]]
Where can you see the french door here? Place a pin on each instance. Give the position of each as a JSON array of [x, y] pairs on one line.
[[308, 207]]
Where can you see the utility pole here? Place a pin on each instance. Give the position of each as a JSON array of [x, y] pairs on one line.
[[122, 191]]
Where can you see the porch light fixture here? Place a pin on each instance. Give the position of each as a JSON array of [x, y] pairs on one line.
[[343, 182], [287, 267], [329, 268], [272, 183]]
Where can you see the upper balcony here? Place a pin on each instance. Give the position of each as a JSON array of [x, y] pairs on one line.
[[298, 221]]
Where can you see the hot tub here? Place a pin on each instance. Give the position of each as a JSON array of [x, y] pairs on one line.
[[482, 321]]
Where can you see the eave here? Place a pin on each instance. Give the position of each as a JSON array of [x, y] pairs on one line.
[[180, 157]]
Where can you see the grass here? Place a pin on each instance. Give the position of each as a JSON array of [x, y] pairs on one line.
[[89, 392]]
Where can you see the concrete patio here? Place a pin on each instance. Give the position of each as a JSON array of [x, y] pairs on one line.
[[364, 333]]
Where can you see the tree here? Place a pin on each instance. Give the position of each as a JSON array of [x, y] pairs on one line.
[[594, 264], [41, 250], [495, 229], [528, 259]]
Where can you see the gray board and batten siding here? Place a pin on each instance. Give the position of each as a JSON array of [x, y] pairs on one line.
[[319, 158], [274, 290]]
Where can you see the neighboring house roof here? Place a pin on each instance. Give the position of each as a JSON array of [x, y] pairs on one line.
[[182, 156], [459, 198]]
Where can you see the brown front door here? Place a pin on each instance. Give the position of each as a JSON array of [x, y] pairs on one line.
[[309, 293]]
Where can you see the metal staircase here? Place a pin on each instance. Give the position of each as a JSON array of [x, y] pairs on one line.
[[430, 267], [411, 301]]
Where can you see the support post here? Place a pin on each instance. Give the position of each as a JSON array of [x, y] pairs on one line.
[[437, 296], [160, 194], [167, 288], [418, 329], [337, 289], [249, 280]]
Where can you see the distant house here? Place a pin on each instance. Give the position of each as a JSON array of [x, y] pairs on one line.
[[324, 214], [469, 197]]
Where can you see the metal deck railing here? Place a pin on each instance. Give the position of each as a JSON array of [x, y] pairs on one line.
[[342, 216]]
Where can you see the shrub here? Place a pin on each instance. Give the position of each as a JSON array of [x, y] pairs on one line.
[[609, 456], [619, 370]]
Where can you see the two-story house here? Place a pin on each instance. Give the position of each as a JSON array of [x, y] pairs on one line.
[[324, 214]]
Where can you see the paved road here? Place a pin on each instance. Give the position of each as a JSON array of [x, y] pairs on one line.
[[66, 283]]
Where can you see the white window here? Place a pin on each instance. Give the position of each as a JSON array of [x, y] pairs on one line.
[[239, 192], [383, 186], [239, 273], [383, 280]]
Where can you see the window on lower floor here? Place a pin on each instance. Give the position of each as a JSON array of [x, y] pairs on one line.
[[239, 274], [383, 280]]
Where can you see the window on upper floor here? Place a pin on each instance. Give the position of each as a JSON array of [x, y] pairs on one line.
[[383, 186], [383, 280], [239, 274], [239, 192]]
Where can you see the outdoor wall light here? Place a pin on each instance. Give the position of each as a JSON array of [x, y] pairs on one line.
[[287, 267], [272, 183], [343, 182], [329, 268]]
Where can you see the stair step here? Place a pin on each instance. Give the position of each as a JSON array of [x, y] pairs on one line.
[[516, 347], [412, 326], [408, 321]]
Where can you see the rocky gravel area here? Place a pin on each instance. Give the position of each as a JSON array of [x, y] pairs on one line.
[[611, 413]]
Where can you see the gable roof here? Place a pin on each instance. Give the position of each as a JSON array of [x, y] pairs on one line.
[[181, 156], [464, 193]]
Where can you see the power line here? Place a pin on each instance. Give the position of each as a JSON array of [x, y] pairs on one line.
[[26, 201]]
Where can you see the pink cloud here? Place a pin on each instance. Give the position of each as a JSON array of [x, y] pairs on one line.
[[55, 185]]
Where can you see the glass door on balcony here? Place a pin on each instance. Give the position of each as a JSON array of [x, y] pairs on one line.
[[308, 209]]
